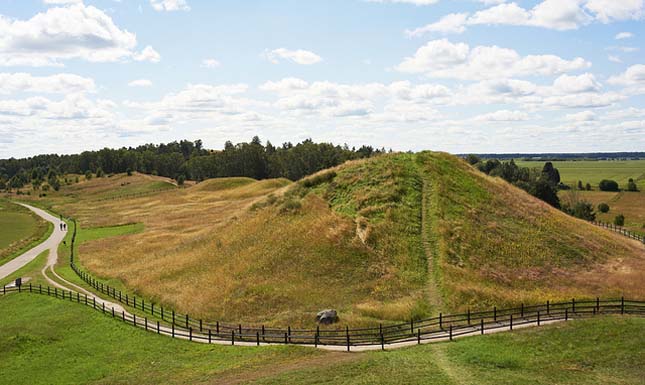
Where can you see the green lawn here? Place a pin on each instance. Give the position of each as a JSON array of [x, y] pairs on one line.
[[21, 230], [594, 171], [597, 351], [49, 341]]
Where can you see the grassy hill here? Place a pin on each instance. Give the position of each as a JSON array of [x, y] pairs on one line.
[[384, 239]]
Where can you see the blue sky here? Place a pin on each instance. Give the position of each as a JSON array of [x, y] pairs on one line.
[[452, 75]]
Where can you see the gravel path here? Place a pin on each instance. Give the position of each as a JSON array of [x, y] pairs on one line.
[[50, 244]]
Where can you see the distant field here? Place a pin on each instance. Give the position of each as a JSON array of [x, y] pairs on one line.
[[630, 204], [594, 171], [48, 341], [20, 228]]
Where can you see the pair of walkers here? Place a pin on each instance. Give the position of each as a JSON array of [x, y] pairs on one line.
[[63, 226]]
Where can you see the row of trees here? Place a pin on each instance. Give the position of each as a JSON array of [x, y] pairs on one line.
[[542, 184], [184, 160]]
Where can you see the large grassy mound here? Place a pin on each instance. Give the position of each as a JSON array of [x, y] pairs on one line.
[[385, 239]]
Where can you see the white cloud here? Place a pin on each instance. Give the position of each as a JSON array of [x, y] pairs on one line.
[[169, 5], [59, 2], [503, 116], [415, 2], [633, 78], [443, 59], [210, 63], [583, 116], [73, 32], [611, 10], [148, 54], [140, 83], [577, 84], [59, 83], [624, 35], [285, 85], [299, 56], [615, 59], [552, 14]]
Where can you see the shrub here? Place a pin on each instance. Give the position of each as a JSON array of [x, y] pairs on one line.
[[472, 159], [180, 180], [631, 185], [588, 187], [88, 175], [582, 210], [76, 179], [608, 185], [99, 172], [580, 185], [128, 171], [603, 207], [619, 220]]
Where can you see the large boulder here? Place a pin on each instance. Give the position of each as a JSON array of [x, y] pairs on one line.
[[327, 317]]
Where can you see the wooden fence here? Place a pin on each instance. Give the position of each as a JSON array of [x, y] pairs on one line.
[[443, 327], [621, 230]]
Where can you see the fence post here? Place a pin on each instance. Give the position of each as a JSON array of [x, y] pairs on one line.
[[566, 314], [257, 338], [200, 326], [162, 314], [94, 302], [573, 305], [289, 331], [411, 326], [538, 320], [217, 326], [158, 331], [232, 336], [173, 329], [134, 319], [495, 313], [597, 304], [317, 336], [347, 333], [145, 320], [209, 336], [286, 341], [30, 287], [186, 321], [450, 333], [382, 341], [419, 336], [440, 321], [547, 307], [622, 305], [123, 315], [113, 313], [263, 338], [134, 301], [511, 324], [173, 317], [522, 311], [152, 308], [468, 316], [190, 334], [103, 307]]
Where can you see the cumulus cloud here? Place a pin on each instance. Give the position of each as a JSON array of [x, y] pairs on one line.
[[577, 84], [443, 59], [299, 56], [169, 5], [140, 83], [633, 78], [503, 116], [59, 83], [73, 32], [583, 116], [559, 15], [210, 63], [415, 2], [624, 35]]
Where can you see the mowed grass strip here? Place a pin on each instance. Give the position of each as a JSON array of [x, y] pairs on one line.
[[21, 230], [50, 341], [594, 351]]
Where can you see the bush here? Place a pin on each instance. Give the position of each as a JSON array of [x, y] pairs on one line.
[[588, 187], [603, 207], [88, 175], [99, 172], [631, 185], [608, 185], [472, 159], [180, 180], [128, 172], [582, 210], [580, 185], [619, 220]]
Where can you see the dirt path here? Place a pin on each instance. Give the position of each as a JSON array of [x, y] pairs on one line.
[[432, 289]]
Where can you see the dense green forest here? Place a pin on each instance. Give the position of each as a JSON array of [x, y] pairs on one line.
[[185, 160]]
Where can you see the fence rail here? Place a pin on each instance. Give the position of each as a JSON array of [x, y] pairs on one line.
[[438, 327], [620, 230]]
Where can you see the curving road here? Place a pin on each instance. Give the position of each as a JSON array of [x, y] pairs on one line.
[[50, 244]]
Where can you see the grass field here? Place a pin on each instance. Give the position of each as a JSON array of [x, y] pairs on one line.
[[48, 341], [21, 229], [594, 171], [630, 204]]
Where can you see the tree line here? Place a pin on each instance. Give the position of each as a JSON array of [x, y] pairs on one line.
[[185, 160]]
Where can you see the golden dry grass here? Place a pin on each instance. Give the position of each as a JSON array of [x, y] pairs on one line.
[[630, 204]]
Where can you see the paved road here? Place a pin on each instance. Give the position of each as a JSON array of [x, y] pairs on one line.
[[50, 244]]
